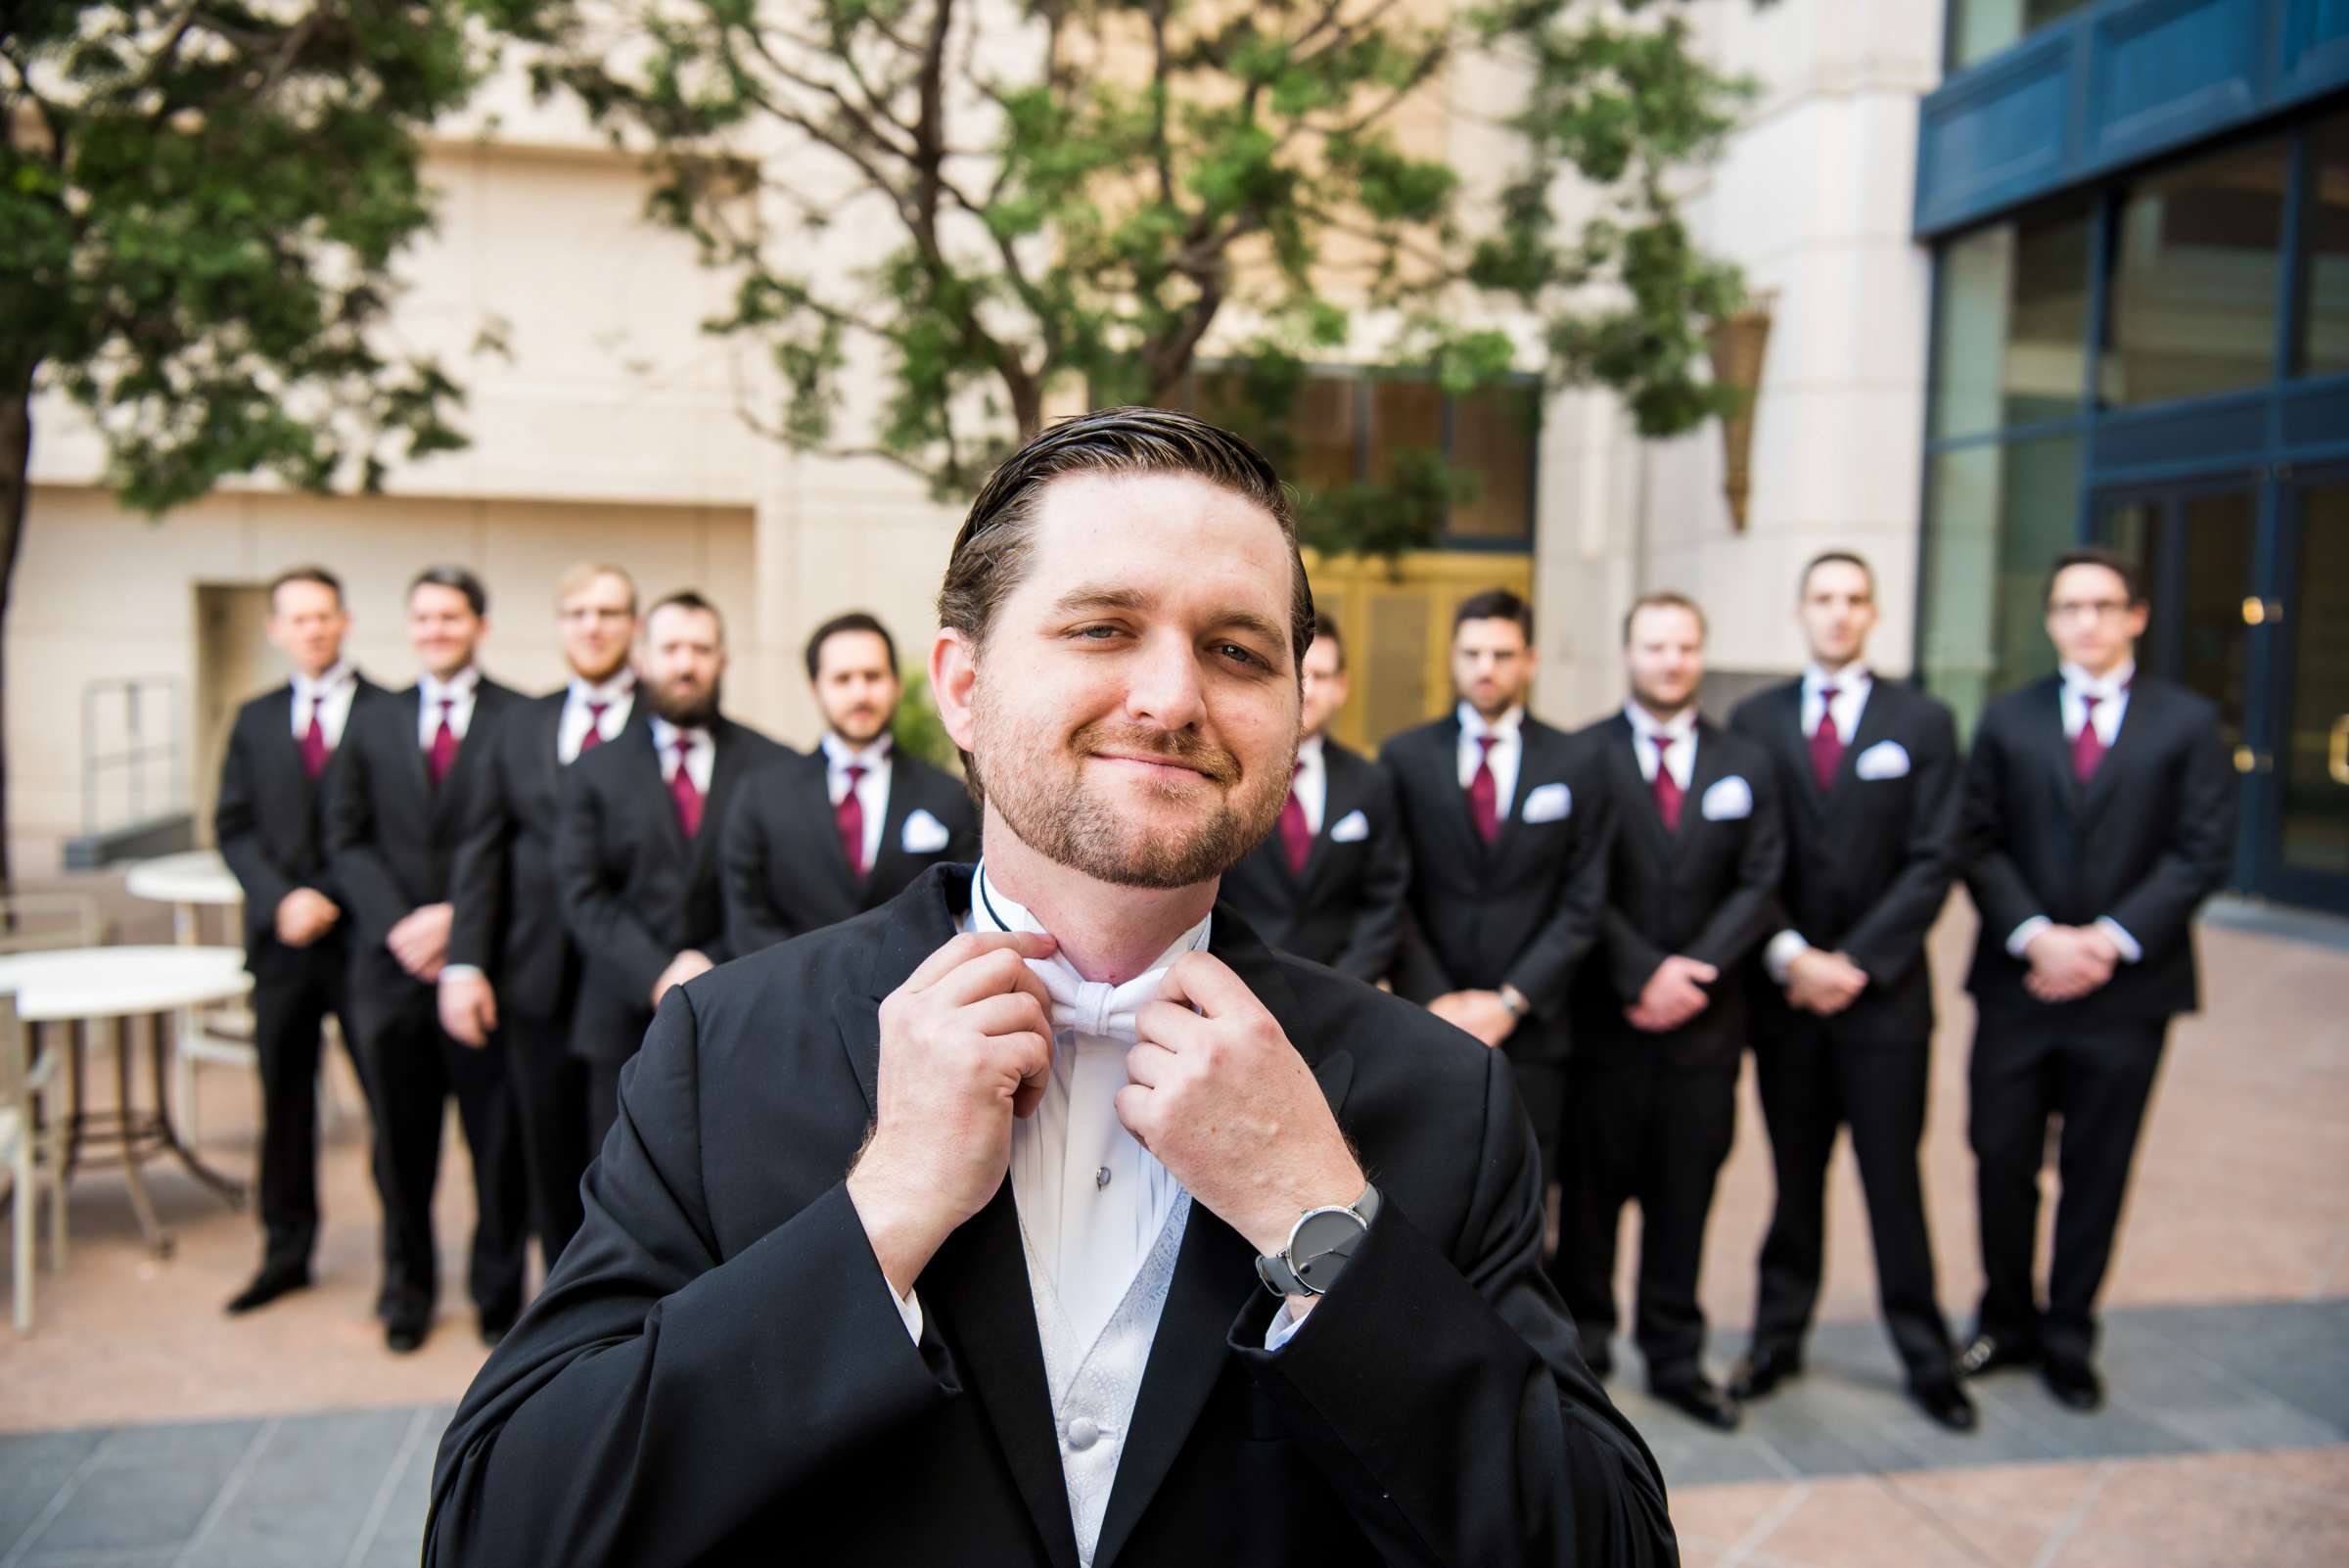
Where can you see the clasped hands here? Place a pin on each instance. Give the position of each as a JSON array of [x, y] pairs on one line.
[[2067, 962], [1216, 1093], [1674, 994]]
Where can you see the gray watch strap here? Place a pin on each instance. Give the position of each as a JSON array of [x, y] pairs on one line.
[[1287, 1272]]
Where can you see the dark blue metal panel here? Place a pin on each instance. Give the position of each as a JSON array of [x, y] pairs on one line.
[[2165, 72], [2207, 430]]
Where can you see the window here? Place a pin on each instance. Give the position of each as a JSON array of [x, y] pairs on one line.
[[1996, 514], [2010, 328], [2324, 347], [2197, 278], [1980, 29]]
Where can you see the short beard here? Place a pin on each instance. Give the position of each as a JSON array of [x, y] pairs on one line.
[[1066, 823], [1657, 706], [686, 713]]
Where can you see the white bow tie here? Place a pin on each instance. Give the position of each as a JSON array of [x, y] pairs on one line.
[[1096, 1007]]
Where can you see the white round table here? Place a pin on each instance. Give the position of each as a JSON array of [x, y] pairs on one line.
[[186, 882], [79, 985]]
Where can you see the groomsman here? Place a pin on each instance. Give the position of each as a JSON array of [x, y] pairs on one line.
[[403, 782], [1691, 892], [636, 838], [512, 969], [823, 837], [1329, 884], [271, 827], [1507, 845], [1868, 773], [2099, 813]]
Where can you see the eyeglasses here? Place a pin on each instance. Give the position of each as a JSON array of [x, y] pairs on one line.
[[591, 613], [2088, 609]]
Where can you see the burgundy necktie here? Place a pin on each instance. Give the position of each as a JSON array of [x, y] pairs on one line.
[[851, 815], [443, 754], [314, 743], [1296, 835], [1668, 788], [595, 727], [1483, 793], [1827, 742], [2088, 747], [683, 791]]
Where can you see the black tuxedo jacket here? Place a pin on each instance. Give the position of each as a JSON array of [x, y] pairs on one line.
[[509, 920], [1523, 912], [1346, 908], [1868, 863], [270, 821], [715, 1372], [784, 869], [1707, 890], [2145, 842], [633, 891], [393, 836]]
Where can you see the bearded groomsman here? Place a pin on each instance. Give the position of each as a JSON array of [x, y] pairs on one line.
[[823, 837], [1660, 1024], [1507, 842], [2099, 813], [512, 968], [409, 768], [1329, 884], [270, 824], [636, 839], [1868, 771]]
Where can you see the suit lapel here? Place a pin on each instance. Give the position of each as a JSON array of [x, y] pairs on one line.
[[1539, 753], [638, 737], [480, 731], [1875, 721], [1794, 746], [1638, 795], [729, 756], [1342, 794], [546, 745], [1443, 764], [894, 811], [2140, 712], [2054, 748], [409, 711], [1703, 774], [823, 822]]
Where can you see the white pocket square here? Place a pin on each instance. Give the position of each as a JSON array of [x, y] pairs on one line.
[[1352, 828], [1729, 799], [1883, 760], [1549, 803], [925, 834]]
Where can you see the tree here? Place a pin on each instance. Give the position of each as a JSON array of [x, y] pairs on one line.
[[200, 201], [1079, 192]]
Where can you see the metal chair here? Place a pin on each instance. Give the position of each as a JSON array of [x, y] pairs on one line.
[[32, 1152]]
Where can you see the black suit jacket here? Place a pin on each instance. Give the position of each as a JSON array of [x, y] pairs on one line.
[[715, 1372], [509, 919], [2144, 842], [634, 893], [393, 836], [1346, 907], [784, 869], [1868, 863], [1523, 912], [1708, 890]]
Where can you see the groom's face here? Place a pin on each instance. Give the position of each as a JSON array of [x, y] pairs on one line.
[[1132, 713]]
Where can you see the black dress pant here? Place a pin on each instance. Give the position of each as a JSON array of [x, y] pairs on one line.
[[1817, 1079], [293, 992], [2097, 1078], [1653, 1133], [550, 1103], [413, 1068]]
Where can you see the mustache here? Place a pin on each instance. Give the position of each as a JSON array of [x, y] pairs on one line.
[[1180, 747]]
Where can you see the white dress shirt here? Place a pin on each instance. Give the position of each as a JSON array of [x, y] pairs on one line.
[[872, 789], [458, 691], [1851, 685], [2112, 704], [329, 698], [700, 758], [1311, 783], [1508, 749], [1679, 743], [619, 699]]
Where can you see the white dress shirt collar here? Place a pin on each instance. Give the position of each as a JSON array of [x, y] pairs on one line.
[[1473, 725], [2115, 684], [1679, 739], [701, 752], [1854, 677], [621, 688], [457, 688], [338, 677], [841, 755], [1310, 782]]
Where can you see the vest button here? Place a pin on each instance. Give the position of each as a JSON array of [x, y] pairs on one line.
[[1082, 1434]]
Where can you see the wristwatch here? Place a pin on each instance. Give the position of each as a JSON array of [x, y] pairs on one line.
[[1319, 1243], [1513, 1000]]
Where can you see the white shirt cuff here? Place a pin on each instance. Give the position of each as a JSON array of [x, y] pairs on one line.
[[2130, 953], [475, 971], [909, 1308], [1781, 954], [1283, 1327], [2022, 935]]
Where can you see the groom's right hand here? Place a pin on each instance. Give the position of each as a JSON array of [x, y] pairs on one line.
[[966, 1044]]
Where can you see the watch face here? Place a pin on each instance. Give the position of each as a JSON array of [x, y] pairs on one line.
[[1322, 1243]]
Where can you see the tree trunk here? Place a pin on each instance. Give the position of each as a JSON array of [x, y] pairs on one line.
[[16, 486]]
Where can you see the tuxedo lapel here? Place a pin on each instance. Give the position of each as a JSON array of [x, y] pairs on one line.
[[2054, 745], [1794, 746], [730, 755], [1636, 793], [1541, 753], [1702, 776], [1875, 725], [823, 822], [1441, 769], [1342, 792], [407, 715], [2144, 709], [656, 797], [894, 812]]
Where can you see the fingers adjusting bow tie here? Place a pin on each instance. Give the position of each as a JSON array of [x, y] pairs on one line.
[[1095, 1007]]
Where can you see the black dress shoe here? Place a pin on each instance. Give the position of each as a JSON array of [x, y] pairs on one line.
[[2074, 1383], [274, 1281], [403, 1332], [1761, 1372], [1943, 1400], [1696, 1395], [1990, 1353]]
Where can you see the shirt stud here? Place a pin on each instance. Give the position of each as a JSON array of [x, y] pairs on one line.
[[1101, 1177]]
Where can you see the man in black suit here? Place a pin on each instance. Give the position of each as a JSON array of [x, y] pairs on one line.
[[820, 838], [636, 836], [1867, 774], [1032, 1323], [1507, 843], [271, 826], [1329, 884], [512, 971], [1660, 1020], [403, 782], [2099, 813]]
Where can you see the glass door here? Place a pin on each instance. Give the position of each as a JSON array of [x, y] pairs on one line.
[[2305, 857]]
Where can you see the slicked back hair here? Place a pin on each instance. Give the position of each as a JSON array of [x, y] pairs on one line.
[[1833, 558], [1495, 603], [1665, 599], [992, 551], [477, 597], [685, 599], [854, 620], [2111, 561], [305, 573]]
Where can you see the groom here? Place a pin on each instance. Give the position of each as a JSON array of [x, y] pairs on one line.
[[1152, 1246]]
